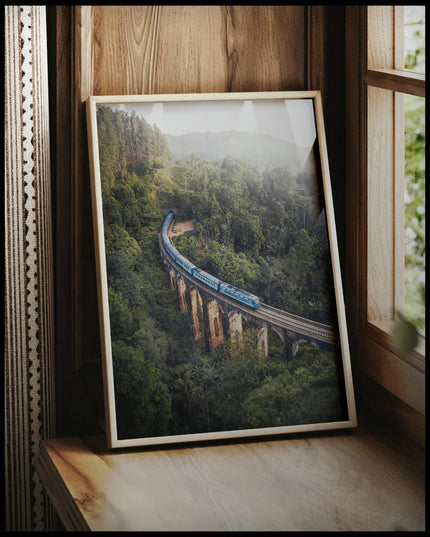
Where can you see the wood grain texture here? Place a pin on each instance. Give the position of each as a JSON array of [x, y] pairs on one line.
[[326, 483], [396, 375], [380, 40], [316, 50], [401, 81], [196, 49], [396, 422], [380, 203], [356, 200]]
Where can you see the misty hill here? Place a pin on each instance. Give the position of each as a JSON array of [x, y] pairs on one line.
[[263, 151]]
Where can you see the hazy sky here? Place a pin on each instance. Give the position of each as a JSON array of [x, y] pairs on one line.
[[291, 119]]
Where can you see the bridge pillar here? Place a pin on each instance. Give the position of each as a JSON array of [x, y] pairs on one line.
[[291, 345], [172, 278], [262, 341], [215, 325], [182, 294], [235, 323], [196, 316]]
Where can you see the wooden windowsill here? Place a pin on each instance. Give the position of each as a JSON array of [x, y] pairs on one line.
[[348, 481], [416, 358]]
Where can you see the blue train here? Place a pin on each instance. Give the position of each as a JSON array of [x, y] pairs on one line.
[[218, 285]]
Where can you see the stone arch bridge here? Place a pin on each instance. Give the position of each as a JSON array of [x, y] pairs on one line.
[[214, 316]]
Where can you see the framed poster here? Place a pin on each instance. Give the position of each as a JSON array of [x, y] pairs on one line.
[[219, 285]]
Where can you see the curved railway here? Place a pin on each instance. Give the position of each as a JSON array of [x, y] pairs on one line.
[[239, 299]]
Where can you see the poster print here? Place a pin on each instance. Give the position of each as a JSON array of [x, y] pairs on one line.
[[221, 307]]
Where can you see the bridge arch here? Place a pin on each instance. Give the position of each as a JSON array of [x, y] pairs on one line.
[[275, 340]]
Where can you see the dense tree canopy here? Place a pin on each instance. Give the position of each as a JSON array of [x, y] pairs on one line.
[[264, 232]]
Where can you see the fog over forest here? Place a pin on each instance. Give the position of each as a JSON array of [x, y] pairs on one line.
[[261, 150]]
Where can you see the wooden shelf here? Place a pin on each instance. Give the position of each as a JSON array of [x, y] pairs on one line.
[[340, 481]]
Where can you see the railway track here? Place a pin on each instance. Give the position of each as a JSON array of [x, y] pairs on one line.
[[289, 321], [265, 314]]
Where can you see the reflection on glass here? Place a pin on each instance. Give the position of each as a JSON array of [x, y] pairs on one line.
[[414, 38]]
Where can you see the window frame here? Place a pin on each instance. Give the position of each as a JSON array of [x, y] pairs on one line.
[[372, 64]]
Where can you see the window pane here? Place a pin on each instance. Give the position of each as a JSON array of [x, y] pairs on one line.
[[414, 38], [414, 307]]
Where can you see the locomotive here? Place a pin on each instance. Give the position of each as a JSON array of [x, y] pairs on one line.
[[218, 285]]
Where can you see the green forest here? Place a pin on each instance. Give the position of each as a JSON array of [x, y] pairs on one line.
[[261, 231]]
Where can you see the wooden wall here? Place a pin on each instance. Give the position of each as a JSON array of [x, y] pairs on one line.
[[107, 50]]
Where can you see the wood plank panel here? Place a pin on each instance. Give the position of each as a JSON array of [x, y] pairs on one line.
[[59, 30], [196, 49], [380, 203], [380, 40], [392, 372], [317, 39], [355, 167]]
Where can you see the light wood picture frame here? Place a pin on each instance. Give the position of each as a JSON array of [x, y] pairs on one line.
[[220, 295]]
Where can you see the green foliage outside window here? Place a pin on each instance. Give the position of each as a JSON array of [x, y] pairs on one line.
[[414, 308], [412, 320], [415, 210]]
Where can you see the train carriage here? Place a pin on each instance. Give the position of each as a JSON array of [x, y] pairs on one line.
[[206, 278], [240, 295], [167, 221], [229, 290], [170, 249], [184, 263]]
